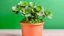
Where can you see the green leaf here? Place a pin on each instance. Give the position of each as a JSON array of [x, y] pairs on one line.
[[38, 8], [24, 3], [40, 17], [30, 22], [36, 20], [19, 8], [27, 11], [47, 12], [32, 4]]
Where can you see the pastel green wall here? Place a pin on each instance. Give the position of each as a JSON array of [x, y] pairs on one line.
[[9, 20]]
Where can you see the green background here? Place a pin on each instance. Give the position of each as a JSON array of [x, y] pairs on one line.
[[9, 20]]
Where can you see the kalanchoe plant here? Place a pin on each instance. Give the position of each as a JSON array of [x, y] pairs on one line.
[[31, 12]]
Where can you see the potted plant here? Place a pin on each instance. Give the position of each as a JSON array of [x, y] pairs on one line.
[[34, 15]]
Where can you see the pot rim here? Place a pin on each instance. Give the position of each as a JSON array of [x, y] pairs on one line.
[[25, 23]]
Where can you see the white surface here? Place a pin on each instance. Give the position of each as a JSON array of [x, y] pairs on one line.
[[46, 32]]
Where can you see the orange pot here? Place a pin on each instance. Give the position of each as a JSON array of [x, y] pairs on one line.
[[32, 29]]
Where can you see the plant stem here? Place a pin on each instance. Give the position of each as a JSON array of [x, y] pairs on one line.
[[26, 19], [36, 15]]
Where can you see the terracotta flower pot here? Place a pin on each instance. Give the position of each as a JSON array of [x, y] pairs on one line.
[[32, 29]]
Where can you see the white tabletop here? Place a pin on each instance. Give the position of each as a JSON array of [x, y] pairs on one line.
[[17, 32]]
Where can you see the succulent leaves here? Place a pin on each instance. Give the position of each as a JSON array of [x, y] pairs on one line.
[[48, 13], [31, 12]]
